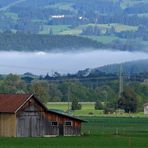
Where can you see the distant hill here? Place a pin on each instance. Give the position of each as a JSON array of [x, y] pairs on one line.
[[118, 24], [21, 41], [128, 68]]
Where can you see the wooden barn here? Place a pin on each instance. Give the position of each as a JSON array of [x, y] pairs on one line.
[[23, 115]]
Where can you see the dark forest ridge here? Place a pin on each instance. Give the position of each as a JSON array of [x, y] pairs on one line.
[[34, 42], [128, 68], [59, 43]]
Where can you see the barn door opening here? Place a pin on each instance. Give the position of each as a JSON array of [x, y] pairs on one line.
[[61, 129], [29, 126], [34, 127]]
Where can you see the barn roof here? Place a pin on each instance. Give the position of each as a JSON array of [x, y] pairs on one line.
[[66, 115], [146, 104], [10, 103]]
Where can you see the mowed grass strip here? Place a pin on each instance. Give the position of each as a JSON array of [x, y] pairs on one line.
[[107, 141]]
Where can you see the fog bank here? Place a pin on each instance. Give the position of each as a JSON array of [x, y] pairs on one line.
[[43, 62]]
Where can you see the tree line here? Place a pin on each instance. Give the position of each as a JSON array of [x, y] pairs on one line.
[[107, 93], [34, 42]]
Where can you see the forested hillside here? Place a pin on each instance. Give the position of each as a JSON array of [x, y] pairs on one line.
[[133, 70], [34, 42], [116, 24], [129, 68]]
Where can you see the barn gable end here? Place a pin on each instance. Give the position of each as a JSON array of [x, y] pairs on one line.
[[22, 115], [31, 119]]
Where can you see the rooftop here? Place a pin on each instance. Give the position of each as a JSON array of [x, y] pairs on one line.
[[10, 103]]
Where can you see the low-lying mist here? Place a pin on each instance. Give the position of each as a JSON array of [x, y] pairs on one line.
[[67, 62]]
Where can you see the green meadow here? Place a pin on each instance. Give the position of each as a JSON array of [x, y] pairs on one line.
[[104, 38], [66, 30], [88, 109], [77, 30]]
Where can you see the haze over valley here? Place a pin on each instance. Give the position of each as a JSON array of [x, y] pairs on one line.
[[40, 63]]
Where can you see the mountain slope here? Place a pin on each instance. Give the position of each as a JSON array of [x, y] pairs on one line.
[[118, 24], [133, 67], [34, 42]]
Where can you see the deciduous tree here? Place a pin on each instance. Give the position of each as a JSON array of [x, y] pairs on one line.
[[128, 101]]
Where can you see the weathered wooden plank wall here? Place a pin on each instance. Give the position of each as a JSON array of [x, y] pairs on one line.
[[62, 129], [30, 125], [70, 130], [7, 125], [53, 130], [31, 120]]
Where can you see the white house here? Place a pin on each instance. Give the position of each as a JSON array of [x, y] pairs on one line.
[[146, 108]]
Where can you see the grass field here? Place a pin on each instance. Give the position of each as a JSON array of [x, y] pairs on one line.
[[13, 16], [104, 38], [88, 110], [129, 3], [100, 132], [64, 105], [118, 27], [56, 29], [64, 29], [62, 6], [124, 126]]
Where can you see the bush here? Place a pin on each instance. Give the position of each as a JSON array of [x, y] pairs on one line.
[[75, 105], [98, 105], [108, 110]]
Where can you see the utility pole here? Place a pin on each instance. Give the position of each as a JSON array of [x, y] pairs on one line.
[[68, 97], [120, 87], [121, 81]]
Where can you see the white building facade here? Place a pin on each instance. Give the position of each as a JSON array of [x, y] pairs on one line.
[[146, 108]]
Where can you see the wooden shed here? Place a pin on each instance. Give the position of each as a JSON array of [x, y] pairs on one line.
[[23, 115], [63, 125]]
